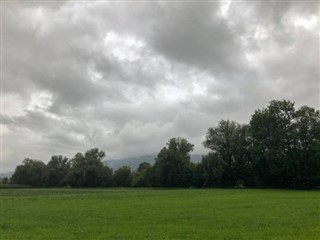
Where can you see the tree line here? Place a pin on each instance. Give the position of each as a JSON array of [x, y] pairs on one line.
[[278, 148]]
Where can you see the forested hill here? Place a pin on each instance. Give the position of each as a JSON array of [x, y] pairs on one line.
[[134, 162]]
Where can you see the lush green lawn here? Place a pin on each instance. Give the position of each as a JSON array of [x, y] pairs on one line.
[[159, 214]]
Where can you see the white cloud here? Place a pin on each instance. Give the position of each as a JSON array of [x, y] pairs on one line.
[[224, 9], [123, 48], [309, 23], [41, 101]]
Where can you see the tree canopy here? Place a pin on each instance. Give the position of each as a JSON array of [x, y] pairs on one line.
[[172, 167]]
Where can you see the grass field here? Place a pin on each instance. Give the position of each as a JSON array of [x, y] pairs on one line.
[[159, 214]]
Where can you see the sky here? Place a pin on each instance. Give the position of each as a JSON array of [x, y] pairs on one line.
[[127, 76]]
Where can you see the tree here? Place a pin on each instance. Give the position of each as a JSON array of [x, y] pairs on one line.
[[88, 171], [209, 172], [283, 143], [244, 162], [143, 176], [172, 167], [231, 141], [58, 168], [31, 172], [306, 148], [106, 176], [5, 180], [122, 177]]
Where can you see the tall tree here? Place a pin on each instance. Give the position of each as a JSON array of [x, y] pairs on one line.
[[122, 177], [31, 172], [283, 142], [172, 167], [87, 170], [58, 168], [143, 176], [231, 141], [209, 172], [306, 148], [244, 162]]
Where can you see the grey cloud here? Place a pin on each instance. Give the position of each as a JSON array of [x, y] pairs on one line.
[[170, 69], [56, 60], [5, 119], [191, 124], [195, 34]]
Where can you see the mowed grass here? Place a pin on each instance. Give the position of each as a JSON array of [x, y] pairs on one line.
[[159, 214]]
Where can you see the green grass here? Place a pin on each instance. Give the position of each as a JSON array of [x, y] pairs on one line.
[[159, 214]]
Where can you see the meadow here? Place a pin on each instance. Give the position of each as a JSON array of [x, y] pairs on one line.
[[159, 214]]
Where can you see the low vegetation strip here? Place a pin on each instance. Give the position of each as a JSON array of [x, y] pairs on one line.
[[13, 186], [159, 214]]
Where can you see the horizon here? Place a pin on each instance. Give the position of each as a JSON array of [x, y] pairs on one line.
[[106, 159]]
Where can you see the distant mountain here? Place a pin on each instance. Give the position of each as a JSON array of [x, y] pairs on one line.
[[134, 162]]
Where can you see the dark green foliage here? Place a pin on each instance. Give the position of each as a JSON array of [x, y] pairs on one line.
[[57, 168], [306, 135], [88, 171], [143, 176], [223, 139], [272, 138], [31, 172], [106, 176], [81, 171], [231, 140], [279, 148], [173, 167], [210, 171], [5, 180], [122, 177], [283, 143]]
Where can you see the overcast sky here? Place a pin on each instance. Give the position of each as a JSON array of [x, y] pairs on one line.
[[127, 76]]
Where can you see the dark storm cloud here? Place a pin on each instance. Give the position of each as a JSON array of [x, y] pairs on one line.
[[126, 77], [195, 34]]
